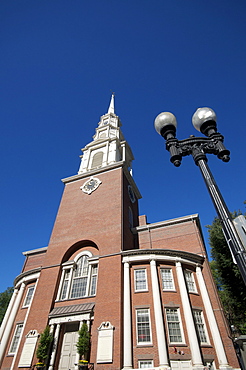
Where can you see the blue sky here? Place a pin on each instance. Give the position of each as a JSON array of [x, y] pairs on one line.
[[59, 62]]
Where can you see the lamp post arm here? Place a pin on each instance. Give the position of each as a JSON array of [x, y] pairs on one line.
[[232, 239], [197, 146]]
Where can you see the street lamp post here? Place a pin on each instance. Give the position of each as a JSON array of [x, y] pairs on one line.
[[204, 120]]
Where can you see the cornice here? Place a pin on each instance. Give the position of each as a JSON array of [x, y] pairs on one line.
[[171, 222], [101, 170], [27, 276], [100, 141], [80, 176], [132, 182], [35, 251], [133, 255], [158, 254]]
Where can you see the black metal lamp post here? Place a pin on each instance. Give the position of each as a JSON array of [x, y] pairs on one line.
[[204, 120]]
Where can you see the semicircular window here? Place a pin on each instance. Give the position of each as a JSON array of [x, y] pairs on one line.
[[79, 281]]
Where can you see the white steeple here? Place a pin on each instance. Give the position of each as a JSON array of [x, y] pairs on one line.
[[111, 105], [108, 145]]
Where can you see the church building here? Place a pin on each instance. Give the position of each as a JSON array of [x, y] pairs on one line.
[[144, 289]]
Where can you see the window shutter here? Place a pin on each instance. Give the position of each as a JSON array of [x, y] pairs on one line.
[[97, 160]]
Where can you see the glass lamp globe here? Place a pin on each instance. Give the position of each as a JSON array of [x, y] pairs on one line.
[[201, 116], [165, 119]]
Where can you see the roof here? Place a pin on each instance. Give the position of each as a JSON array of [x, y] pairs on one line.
[[71, 310]]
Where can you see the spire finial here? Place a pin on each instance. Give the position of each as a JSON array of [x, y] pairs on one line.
[[111, 105]]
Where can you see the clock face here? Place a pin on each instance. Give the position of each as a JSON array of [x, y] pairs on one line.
[[90, 185], [131, 194]]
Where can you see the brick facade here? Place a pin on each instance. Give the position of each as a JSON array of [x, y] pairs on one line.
[[104, 230]]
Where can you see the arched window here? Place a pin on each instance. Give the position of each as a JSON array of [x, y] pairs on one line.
[[97, 160], [130, 215], [79, 278]]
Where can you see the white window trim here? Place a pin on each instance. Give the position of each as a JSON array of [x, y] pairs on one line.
[[84, 253], [13, 338], [69, 283], [135, 288], [88, 286], [150, 329], [180, 326], [150, 366], [193, 280], [167, 289], [71, 265], [29, 304], [204, 326], [100, 148], [100, 162], [91, 275]]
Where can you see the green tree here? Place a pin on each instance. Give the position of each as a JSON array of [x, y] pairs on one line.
[[83, 344], [230, 285], [4, 301], [44, 345]]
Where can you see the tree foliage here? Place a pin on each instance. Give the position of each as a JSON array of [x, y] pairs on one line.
[[230, 284], [44, 344], [4, 302], [83, 344]]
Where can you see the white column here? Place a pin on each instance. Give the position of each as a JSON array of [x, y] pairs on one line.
[[24, 324], [6, 316], [191, 330], [159, 324], [88, 322], [218, 344], [123, 152], [9, 325], [127, 319], [55, 342], [77, 357], [51, 356], [61, 284]]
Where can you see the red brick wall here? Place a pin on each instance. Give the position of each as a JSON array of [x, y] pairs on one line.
[[34, 261], [95, 217], [99, 222], [179, 236], [93, 222]]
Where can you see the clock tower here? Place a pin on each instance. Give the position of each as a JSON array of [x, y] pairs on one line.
[[81, 269], [145, 290]]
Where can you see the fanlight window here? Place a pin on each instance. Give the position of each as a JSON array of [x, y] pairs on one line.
[[79, 281], [80, 278]]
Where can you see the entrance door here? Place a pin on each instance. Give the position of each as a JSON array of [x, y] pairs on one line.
[[69, 349], [180, 365]]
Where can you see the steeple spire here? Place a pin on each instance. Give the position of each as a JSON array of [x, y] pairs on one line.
[[111, 105], [108, 145]]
